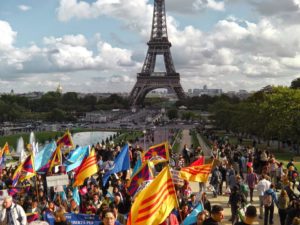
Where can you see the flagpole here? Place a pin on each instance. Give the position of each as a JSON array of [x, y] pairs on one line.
[[175, 194]]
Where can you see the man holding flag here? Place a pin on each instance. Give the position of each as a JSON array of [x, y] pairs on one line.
[[121, 163]]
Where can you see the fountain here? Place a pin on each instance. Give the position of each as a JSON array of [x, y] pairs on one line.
[[20, 145], [20, 149], [32, 138]]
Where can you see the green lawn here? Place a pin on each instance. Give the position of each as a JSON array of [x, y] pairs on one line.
[[41, 137]]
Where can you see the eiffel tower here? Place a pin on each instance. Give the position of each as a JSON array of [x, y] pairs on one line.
[[147, 79]]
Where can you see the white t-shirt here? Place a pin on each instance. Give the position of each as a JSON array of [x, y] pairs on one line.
[[262, 186]]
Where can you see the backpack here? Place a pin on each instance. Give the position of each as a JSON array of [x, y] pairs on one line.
[[245, 189], [267, 200]]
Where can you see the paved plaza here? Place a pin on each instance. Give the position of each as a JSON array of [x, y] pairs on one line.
[[221, 200]]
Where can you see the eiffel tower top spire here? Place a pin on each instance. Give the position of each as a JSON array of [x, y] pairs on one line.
[[159, 43], [159, 23]]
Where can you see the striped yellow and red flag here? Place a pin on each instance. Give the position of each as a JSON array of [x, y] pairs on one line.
[[196, 173], [87, 169], [154, 204]]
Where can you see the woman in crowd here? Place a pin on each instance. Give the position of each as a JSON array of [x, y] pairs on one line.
[[283, 203]]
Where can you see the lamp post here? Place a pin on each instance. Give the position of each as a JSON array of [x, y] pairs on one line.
[[144, 132], [164, 120]]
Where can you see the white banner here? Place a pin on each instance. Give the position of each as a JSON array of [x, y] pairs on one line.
[[53, 181]]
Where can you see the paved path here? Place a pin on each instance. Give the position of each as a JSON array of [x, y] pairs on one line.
[[186, 139], [221, 200]]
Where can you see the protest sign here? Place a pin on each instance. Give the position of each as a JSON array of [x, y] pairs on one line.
[[53, 181], [82, 219]]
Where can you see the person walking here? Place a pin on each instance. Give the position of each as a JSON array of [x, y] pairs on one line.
[[236, 200], [261, 187], [186, 155], [251, 180], [215, 181], [283, 204], [12, 214], [269, 200]]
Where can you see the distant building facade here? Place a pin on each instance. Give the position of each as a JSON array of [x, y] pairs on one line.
[[205, 91]]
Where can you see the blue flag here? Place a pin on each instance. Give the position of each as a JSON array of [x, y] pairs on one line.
[[137, 165], [76, 196], [76, 157], [192, 217], [121, 163], [43, 156]]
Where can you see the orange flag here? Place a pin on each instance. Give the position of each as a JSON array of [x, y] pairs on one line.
[[5, 149], [87, 169], [196, 173], [154, 204]]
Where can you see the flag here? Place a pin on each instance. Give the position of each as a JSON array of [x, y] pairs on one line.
[[157, 153], [196, 173], [28, 164], [83, 191], [43, 157], [76, 157], [56, 159], [32, 217], [16, 175], [75, 195], [140, 179], [4, 152], [137, 166], [66, 140], [13, 191], [2, 159], [5, 149], [88, 168], [121, 163], [27, 169], [192, 217], [199, 161], [154, 204]]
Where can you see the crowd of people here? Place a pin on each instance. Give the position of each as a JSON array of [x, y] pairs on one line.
[[239, 171], [244, 169]]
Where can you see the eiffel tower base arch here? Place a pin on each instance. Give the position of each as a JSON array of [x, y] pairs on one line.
[[146, 84]]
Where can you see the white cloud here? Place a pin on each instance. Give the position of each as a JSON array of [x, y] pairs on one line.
[[24, 7], [7, 35], [233, 48], [271, 7], [140, 11], [67, 53], [74, 40], [210, 4], [234, 54]]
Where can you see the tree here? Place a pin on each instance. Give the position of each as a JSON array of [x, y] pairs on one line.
[[295, 84], [57, 115], [172, 114]]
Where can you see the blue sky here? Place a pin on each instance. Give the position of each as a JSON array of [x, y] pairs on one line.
[[100, 45]]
